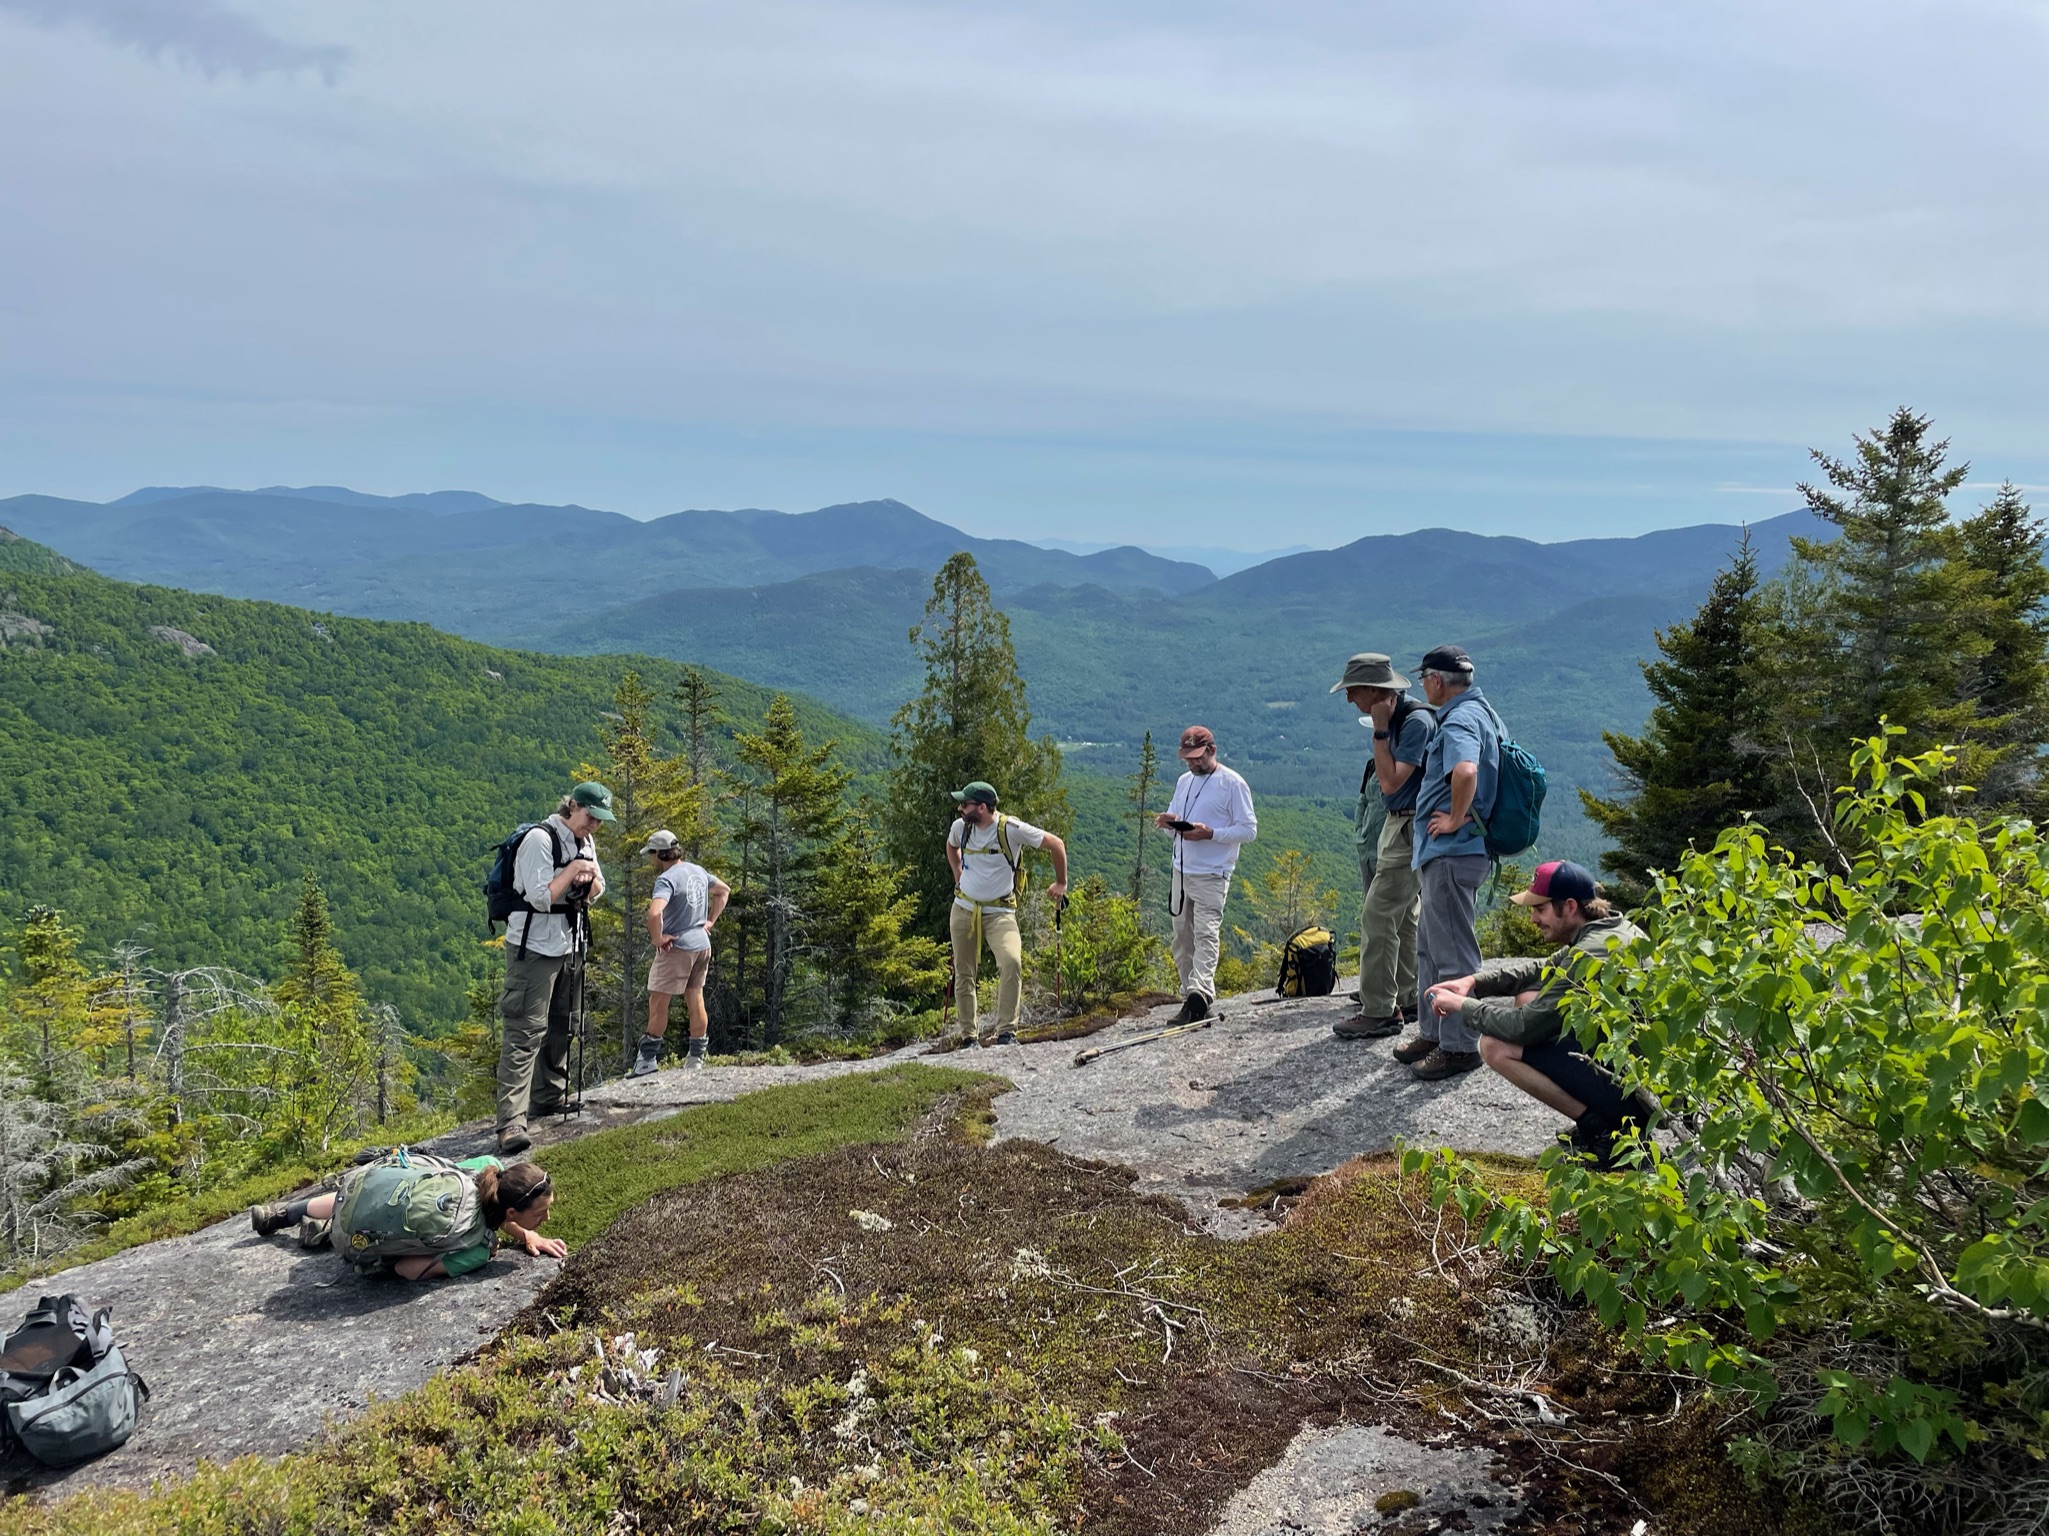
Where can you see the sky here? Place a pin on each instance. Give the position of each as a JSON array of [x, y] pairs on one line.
[[1174, 272]]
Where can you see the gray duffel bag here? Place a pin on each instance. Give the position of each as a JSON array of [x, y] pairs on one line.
[[68, 1393]]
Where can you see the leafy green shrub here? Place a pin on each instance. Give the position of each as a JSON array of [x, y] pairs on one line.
[[1853, 1225], [1103, 948]]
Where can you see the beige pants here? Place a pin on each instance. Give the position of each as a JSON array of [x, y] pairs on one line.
[[1198, 929], [999, 927]]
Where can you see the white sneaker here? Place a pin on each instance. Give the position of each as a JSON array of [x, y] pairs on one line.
[[644, 1060]]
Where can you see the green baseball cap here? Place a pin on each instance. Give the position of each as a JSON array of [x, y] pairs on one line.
[[977, 791], [595, 798]]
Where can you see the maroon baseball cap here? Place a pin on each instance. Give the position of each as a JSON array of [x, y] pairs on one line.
[[1196, 740], [1559, 880]]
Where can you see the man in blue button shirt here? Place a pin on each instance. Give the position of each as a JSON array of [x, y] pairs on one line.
[[1455, 793]]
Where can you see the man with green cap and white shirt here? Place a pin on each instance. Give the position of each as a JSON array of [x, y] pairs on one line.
[[556, 875], [984, 848]]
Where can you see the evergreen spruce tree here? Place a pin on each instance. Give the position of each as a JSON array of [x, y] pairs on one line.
[[1143, 783], [1700, 763], [795, 816], [2009, 682], [970, 721], [1887, 632], [699, 697], [329, 1027], [860, 935]]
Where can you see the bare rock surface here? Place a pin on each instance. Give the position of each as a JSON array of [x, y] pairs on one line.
[[1365, 1478], [251, 1344]]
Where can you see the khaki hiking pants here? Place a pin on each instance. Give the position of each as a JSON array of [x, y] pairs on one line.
[[999, 926], [1198, 930], [533, 1055], [1387, 925]]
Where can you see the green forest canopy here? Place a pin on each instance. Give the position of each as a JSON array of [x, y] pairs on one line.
[[171, 763]]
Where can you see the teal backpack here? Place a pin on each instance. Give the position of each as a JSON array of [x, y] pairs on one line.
[[1519, 787], [404, 1205]]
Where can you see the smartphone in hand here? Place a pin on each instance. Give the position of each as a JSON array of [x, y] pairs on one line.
[[1181, 826]]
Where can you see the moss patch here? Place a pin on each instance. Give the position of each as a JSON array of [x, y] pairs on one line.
[[598, 1177]]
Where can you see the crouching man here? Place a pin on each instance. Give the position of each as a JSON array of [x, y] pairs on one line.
[[1516, 1007]]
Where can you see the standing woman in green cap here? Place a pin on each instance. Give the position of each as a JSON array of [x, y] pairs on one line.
[[984, 847], [556, 876]]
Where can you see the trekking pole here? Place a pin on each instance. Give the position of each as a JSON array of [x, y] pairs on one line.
[[1059, 958], [1124, 1045], [579, 1019]]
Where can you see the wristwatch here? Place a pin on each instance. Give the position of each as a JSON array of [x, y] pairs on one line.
[[1380, 735]]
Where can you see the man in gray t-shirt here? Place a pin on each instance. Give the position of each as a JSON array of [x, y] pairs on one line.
[[686, 902]]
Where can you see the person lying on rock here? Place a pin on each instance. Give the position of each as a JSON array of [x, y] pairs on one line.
[[423, 1217], [1516, 1007]]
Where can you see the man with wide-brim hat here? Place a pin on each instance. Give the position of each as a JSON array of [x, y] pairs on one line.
[[1211, 818], [985, 848], [1391, 898]]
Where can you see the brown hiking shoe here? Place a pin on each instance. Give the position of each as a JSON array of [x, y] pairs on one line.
[[1409, 1052], [267, 1219], [512, 1140], [1441, 1063]]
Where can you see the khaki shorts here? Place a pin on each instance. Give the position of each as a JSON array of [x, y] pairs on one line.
[[676, 970]]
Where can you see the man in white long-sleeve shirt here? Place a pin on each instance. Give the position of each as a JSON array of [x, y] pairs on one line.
[[1211, 818]]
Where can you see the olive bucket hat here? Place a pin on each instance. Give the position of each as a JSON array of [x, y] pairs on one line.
[[1370, 669]]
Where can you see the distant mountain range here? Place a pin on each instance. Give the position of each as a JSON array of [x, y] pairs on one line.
[[1112, 642], [493, 569]]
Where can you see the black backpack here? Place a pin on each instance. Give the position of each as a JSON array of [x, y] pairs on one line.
[[501, 894], [1309, 964]]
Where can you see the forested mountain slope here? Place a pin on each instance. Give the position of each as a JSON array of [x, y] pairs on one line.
[[170, 763]]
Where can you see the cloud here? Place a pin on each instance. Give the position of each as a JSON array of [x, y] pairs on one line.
[[202, 34]]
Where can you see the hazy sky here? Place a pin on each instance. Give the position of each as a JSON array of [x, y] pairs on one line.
[[1181, 272]]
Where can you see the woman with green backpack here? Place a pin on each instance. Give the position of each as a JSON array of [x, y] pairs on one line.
[[424, 1217]]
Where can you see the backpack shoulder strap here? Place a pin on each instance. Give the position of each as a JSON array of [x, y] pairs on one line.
[[1003, 845]]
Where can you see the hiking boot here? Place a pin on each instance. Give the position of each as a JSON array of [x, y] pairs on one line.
[[1194, 1009], [644, 1058], [512, 1140], [1441, 1063], [693, 1061], [1409, 1052], [315, 1231], [274, 1217], [1359, 1027]]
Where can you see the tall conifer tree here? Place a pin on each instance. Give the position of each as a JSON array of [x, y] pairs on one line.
[[969, 722], [1886, 631], [326, 1020], [1700, 763], [2009, 683]]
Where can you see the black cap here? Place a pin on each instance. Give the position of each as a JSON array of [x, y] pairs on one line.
[[1445, 658]]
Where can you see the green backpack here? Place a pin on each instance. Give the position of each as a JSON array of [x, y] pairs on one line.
[[405, 1205]]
